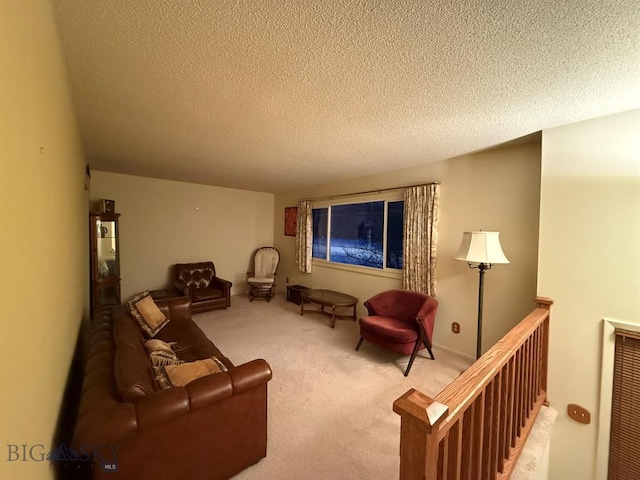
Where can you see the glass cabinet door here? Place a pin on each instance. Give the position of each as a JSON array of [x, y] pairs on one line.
[[105, 259], [106, 245]]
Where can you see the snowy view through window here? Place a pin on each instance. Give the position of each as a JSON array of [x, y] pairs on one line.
[[358, 234]]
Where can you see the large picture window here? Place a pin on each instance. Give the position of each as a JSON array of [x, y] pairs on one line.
[[366, 234]]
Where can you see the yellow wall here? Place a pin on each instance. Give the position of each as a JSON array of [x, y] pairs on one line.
[[164, 222], [493, 190], [589, 264], [43, 225]]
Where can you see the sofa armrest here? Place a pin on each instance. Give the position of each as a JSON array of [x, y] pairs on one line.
[[211, 388], [222, 284], [250, 374], [178, 309], [164, 405]]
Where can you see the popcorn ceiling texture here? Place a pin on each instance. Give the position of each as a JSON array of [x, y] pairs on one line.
[[276, 95]]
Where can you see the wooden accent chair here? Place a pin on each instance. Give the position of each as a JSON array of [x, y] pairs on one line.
[[401, 321], [262, 279]]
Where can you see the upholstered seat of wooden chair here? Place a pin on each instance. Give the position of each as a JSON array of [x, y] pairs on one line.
[[262, 279]]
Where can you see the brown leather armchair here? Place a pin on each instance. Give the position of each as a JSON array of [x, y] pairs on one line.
[[199, 282], [401, 321]]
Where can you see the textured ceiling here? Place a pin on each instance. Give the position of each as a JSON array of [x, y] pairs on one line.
[[276, 95]]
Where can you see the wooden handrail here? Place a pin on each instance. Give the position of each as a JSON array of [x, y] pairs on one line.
[[477, 426]]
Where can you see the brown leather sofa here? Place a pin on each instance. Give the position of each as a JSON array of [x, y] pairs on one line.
[[199, 282], [212, 428]]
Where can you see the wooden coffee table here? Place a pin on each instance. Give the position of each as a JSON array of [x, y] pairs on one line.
[[329, 298]]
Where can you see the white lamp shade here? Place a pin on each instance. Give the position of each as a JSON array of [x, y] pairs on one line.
[[481, 247]]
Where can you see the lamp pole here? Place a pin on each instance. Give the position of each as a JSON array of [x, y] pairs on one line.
[[481, 269]]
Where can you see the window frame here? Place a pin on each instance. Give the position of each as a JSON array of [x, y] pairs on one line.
[[386, 197]]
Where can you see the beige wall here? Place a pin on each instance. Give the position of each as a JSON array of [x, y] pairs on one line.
[[491, 190], [164, 222], [589, 264], [43, 241]]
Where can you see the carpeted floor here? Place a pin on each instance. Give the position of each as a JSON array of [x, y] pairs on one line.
[[330, 407]]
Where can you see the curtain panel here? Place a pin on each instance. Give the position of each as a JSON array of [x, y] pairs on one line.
[[421, 205], [304, 236]]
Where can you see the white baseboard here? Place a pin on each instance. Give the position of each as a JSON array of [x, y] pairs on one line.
[[457, 352]]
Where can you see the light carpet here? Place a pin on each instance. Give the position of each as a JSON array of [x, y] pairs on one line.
[[330, 408]]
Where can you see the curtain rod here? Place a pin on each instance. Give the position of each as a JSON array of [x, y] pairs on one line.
[[380, 190]]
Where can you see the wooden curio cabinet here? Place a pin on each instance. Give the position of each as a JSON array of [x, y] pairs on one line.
[[105, 259]]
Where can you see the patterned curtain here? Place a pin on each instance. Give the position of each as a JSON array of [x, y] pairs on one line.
[[304, 237], [420, 238]]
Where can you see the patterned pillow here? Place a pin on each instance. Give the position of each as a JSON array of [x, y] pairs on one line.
[[161, 353], [145, 311], [180, 375]]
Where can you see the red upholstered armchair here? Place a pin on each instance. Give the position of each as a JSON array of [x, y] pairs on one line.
[[199, 282], [401, 321]]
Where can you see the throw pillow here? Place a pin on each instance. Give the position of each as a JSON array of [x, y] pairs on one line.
[[145, 311], [180, 375], [161, 353]]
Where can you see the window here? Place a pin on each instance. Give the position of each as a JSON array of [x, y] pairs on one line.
[[366, 234], [624, 451], [320, 232], [395, 227]]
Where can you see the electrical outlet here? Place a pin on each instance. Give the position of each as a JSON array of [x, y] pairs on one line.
[[455, 327], [578, 413], [286, 280]]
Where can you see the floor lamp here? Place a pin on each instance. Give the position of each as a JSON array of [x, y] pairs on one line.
[[481, 250]]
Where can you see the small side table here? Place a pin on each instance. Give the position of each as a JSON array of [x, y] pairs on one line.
[[293, 293]]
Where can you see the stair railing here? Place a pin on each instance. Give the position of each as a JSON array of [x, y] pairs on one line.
[[477, 426]]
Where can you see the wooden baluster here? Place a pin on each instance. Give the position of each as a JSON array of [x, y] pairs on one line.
[[536, 350], [478, 437], [488, 432], [516, 410], [529, 354], [540, 358], [444, 456], [545, 355], [495, 440], [504, 415], [525, 383], [455, 452], [468, 434], [511, 379], [534, 373], [523, 397], [534, 380]]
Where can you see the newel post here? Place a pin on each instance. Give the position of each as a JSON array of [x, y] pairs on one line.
[[420, 417], [545, 303]]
